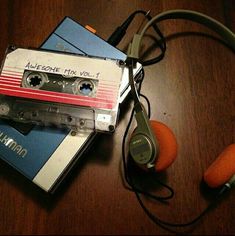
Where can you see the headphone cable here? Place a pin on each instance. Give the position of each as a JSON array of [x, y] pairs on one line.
[[116, 37], [137, 191]]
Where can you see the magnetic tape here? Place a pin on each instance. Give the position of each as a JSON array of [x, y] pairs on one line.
[[62, 89]]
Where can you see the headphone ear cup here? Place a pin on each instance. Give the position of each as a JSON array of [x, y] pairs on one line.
[[222, 169], [167, 145]]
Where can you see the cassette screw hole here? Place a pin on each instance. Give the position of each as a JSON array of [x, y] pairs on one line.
[[73, 133], [111, 128], [121, 63], [35, 80]]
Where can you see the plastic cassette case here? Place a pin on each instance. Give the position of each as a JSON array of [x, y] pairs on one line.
[[43, 154]]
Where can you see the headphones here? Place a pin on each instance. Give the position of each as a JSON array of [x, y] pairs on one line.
[[152, 144]]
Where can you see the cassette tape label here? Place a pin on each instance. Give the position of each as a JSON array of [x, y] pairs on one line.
[[64, 79]]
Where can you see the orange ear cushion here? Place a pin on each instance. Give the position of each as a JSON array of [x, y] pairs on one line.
[[167, 145], [222, 169]]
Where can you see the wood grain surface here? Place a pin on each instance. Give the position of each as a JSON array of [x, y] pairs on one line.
[[191, 90]]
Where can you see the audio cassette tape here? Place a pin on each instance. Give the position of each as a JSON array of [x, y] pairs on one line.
[[61, 89], [51, 152]]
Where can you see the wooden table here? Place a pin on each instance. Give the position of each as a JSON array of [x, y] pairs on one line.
[[191, 90]]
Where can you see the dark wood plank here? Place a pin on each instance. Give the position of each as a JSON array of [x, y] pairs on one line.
[[191, 90]]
